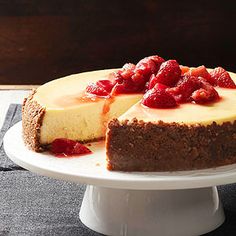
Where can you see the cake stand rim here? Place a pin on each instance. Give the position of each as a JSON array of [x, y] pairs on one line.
[[121, 180]]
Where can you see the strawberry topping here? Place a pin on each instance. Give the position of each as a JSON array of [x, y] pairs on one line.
[[222, 78], [203, 96], [165, 83], [201, 71], [168, 74], [127, 87], [94, 88], [105, 84], [184, 88], [159, 86], [184, 69], [152, 82], [101, 88], [149, 65], [63, 147], [158, 98]]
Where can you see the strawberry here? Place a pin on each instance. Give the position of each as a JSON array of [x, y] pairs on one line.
[[152, 81], [203, 95], [127, 87], [106, 84], [158, 60], [129, 66], [169, 73], [149, 65], [96, 89], [201, 71], [126, 73], [184, 69], [158, 98], [129, 80], [146, 66], [222, 78], [63, 147], [159, 86], [132, 79], [138, 78], [184, 88], [116, 77], [119, 89]]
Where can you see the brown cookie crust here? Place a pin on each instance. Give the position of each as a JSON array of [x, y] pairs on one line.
[[140, 146], [32, 117]]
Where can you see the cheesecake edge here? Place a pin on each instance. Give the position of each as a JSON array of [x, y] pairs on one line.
[[171, 146], [32, 118]]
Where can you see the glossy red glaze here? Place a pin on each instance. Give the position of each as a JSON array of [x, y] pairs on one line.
[[62, 147]]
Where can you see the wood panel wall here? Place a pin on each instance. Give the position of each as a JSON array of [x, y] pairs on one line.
[[43, 40]]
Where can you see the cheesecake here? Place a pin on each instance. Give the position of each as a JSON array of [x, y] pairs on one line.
[[156, 116], [62, 109]]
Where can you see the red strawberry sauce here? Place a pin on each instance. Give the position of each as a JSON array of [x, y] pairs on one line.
[[165, 84], [63, 147]]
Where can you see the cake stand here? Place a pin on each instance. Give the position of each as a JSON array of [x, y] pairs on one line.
[[135, 203]]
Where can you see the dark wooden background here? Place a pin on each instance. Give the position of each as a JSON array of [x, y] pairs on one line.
[[43, 40]]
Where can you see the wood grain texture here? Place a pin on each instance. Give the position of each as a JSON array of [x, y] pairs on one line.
[[49, 39]]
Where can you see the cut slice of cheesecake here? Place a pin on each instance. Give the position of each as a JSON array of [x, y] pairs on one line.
[[192, 136], [61, 109]]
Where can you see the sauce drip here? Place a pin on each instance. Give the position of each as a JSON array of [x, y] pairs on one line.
[[76, 99]]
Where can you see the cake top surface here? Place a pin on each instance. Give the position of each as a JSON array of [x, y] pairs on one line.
[[170, 92], [68, 92], [189, 113]]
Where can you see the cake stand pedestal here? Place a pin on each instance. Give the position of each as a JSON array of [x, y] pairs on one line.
[[135, 203], [151, 212]]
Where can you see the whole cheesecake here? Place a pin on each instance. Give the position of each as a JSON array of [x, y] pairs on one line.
[[156, 116]]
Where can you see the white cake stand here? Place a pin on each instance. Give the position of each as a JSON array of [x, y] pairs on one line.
[[121, 203]]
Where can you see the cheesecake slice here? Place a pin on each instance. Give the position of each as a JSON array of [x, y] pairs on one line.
[[62, 109], [190, 136]]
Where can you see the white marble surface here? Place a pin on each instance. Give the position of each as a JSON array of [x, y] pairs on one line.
[[10, 96]]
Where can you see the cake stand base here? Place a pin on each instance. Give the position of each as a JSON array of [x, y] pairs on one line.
[[151, 212]]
